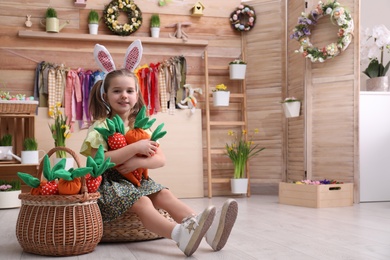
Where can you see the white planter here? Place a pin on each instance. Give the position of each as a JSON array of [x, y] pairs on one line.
[[237, 71], [221, 98], [93, 28], [239, 186], [155, 32], [31, 157], [291, 109], [5, 153], [378, 84], [69, 162], [10, 199]]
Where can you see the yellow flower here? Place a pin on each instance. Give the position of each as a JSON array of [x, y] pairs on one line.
[[240, 150], [59, 129]]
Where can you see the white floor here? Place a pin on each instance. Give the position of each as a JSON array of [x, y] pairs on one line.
[[264, 229]]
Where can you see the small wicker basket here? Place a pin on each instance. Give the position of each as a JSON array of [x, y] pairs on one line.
[[59, 225], [18, 106]]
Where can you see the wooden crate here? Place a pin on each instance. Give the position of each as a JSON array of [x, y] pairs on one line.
[[316, 196]]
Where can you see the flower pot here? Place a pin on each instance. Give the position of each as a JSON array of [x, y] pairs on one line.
[[237, 71], [69, 162], [31, 157], [291, 109], [10, 199], [93, 28], [221, 98], [6, 153], [155, 32], [239, 186], [378, 84]]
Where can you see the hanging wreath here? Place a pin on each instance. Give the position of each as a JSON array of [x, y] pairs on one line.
[[338, 15], [243, 18], [111, 14]]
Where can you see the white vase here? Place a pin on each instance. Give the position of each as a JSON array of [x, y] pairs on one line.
[[155, 32], [239, 186], [221, 98], [69, 162], [93, 28], [291, 109], [237, 71], [378, 84], [10, 199]]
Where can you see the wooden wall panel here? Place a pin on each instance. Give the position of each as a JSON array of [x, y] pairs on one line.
[[19, 56]]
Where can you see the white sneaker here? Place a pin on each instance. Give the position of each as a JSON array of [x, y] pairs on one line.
[[223, 223], [192, 229]]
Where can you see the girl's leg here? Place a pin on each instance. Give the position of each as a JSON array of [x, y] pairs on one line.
[[165, 199], [151, 218]]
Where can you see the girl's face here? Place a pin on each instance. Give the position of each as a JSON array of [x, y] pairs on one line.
[[121, 95]]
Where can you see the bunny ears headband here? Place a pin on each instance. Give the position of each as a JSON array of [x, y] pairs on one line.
[[106, 63]]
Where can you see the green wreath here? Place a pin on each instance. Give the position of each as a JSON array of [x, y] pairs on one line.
[[339, 15], [111, 13]]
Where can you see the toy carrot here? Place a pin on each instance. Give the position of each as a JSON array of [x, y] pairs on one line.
[[49, 187], [69, 182], [99, 166], [142, 123]]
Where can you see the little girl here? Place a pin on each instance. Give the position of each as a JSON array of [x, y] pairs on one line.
[[119, 94]]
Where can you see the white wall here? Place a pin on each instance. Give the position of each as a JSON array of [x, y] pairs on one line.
[[373, 12]]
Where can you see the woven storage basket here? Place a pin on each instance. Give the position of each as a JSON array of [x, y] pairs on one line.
[[18, 107], [129, 228], [59, 225]]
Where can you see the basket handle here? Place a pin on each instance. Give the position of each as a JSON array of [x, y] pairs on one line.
[[84, 189]]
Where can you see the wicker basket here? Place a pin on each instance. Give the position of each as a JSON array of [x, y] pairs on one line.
[[129, 228], [18, 107], [59, 225]]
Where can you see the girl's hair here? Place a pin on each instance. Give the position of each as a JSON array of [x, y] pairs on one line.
[[98, 107]]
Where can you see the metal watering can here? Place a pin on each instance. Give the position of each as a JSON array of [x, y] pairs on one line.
[[52, 24], [27, 157]]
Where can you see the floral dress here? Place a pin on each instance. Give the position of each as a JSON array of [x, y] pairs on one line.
[[117, 194]]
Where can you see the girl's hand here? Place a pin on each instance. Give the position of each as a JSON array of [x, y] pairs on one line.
[[146, 147]]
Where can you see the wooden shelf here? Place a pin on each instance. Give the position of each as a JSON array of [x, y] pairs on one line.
[[110, 38], [227, 123]]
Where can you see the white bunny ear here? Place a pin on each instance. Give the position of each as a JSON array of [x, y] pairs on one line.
[[103, 58], [133, 55]]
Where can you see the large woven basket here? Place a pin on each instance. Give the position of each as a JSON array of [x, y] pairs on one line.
[[59, 225], [129, 228], [18, 106]]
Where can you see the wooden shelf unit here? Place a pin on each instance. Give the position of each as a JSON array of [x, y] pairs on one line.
[[20, 126], [209, 124]]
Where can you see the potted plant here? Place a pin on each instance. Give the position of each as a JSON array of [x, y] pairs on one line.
[[372, 52], [237, 69], [6, 147], [30, 153], [93, 22], [291, 107], [240, 150], [52, 23], [221, 96], [9, 194], [155, 25]]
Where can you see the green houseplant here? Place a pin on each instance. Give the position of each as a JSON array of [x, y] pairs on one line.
[[93, 22], [6, 147], [155, 25], [30, 144], [240, 150], [52, 23]]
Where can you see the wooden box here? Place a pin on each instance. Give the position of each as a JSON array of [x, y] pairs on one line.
[[316, 196]]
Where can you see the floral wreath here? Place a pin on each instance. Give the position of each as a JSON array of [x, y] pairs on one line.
[[243, 18], [111, 13], [338, 15]]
